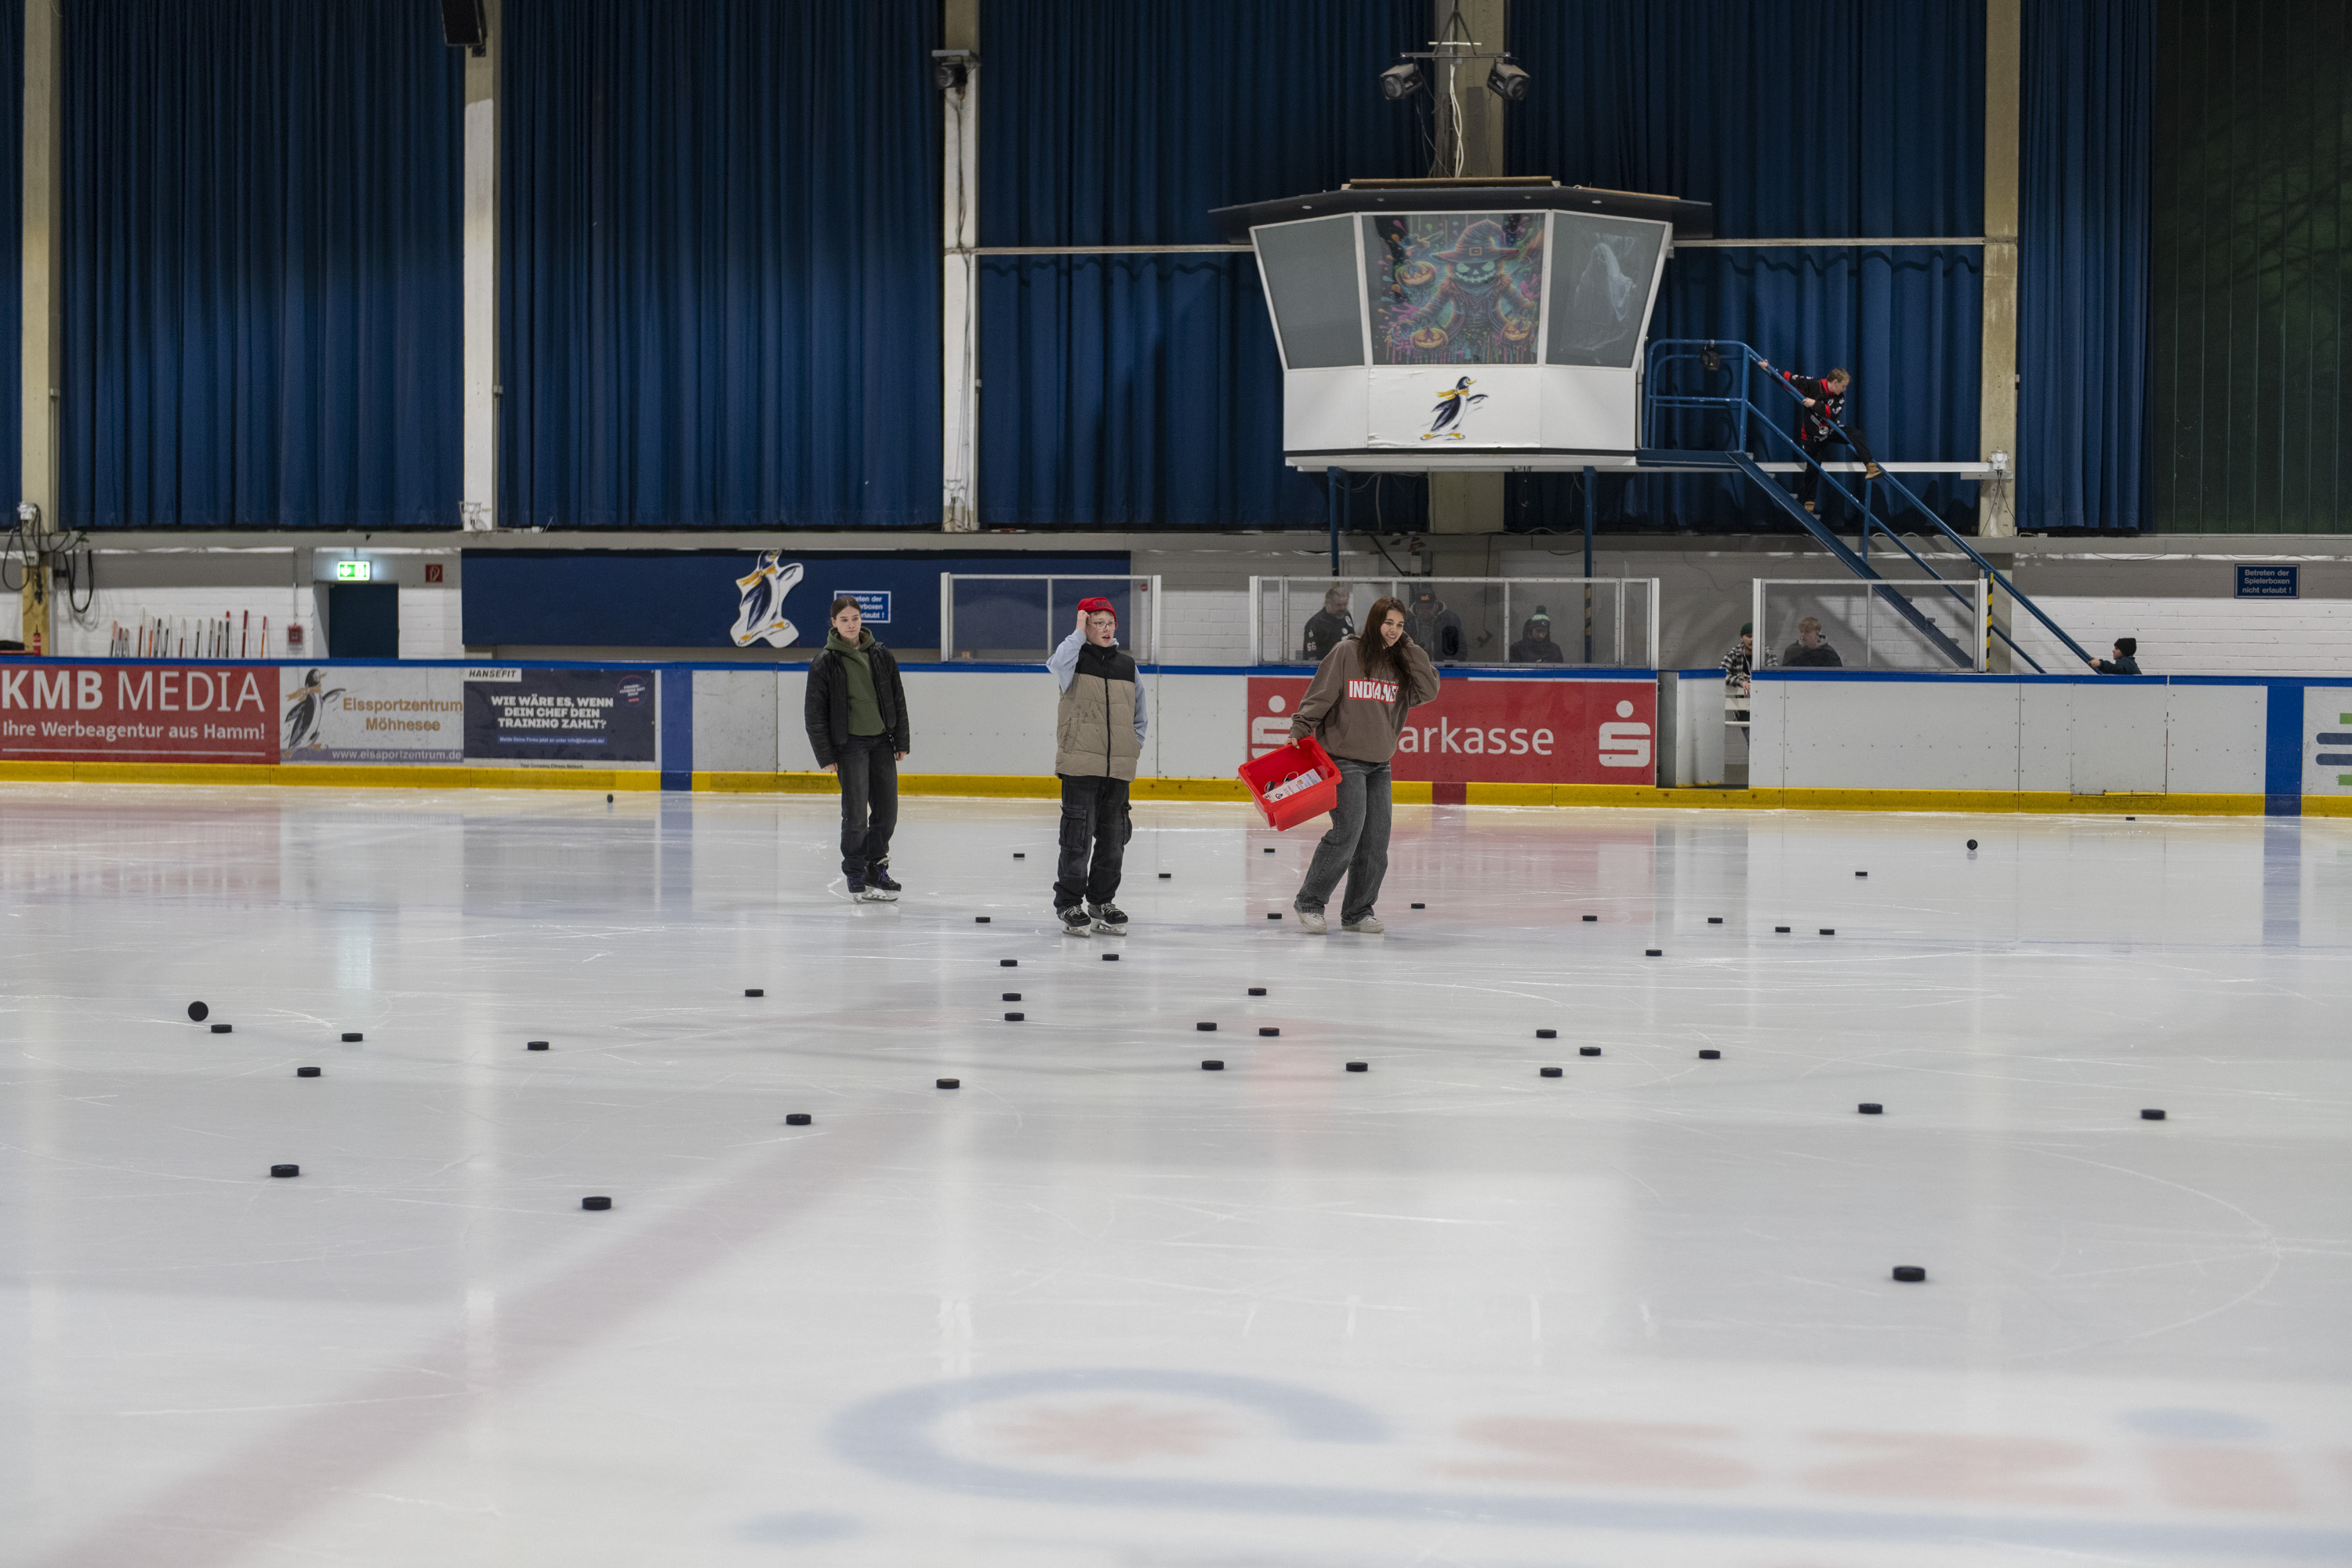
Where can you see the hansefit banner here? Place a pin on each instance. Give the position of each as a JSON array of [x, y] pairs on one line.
[[600, 717]]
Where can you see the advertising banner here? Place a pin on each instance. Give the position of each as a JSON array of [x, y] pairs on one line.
[[139, 714], [603, 717], [343, 715], [1500, 730]]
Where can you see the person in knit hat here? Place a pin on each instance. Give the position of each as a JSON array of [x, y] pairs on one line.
[[855, 711], [1535, 645], [1097, 742]]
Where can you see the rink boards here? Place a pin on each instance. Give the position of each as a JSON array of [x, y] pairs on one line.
[[1859, 739]]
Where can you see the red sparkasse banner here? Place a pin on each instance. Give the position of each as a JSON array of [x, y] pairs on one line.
[[1500, 730], [64, 713]]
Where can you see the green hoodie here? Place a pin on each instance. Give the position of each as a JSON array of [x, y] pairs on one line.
[[864, 713]]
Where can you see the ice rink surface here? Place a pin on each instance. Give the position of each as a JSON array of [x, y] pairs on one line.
[[1100, 1307]]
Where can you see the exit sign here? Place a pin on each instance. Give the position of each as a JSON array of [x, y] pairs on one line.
[[353, 570]]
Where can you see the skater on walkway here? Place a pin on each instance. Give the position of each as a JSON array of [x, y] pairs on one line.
[[1355, 706], [1097, 741], [855, 710]]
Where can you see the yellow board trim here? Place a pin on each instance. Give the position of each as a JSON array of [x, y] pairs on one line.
[[1017, 787]]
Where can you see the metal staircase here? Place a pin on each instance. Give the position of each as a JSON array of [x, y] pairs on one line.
[[1712, 356]]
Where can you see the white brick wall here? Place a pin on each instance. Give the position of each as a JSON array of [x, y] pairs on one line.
[[430, 624], [1204, 625], [86, 635], [2199, 637]]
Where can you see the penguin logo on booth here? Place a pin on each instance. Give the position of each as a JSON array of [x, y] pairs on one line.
[[759, 602], [1625, 745]]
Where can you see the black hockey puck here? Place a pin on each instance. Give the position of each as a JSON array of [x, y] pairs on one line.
[[1588, 1050], [947, 1083], [1110, 958], [1782, 930], [306, 1072], [608, 800], [598, 1204], [2152, 1115], [1653, 952], [1710, 1055], [1257, 990], [1206, 1028], [1360, 1067], [1861, 873], [754, 990], [1420, 906], [1546, 1072], [534, 1044], [1268, 1032], [1972, 843], [1715, 920], [198, 1012], [1269, 848], [220, 1028], [351, 1037], [1013, 996], [1274, 914], [1910, 1274], [285, 1169], [1829, 930], [1871, 1108], [2131, 819], [1167, 876], [1018, 855], [1008, 963], [1546, 1033], [1212, 1065], [979, 919], [1591, 919], [798, 1119], [1014, 1017]]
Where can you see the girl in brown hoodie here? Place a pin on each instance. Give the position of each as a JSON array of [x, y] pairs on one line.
[[1355, 706]]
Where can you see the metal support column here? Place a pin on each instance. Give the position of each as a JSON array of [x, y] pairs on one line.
[[1334, 502]]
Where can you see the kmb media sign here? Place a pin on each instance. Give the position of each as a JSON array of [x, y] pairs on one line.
[[1500, 730], [139, 714]]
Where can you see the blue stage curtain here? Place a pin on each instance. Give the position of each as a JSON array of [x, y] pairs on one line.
[[2083, 261], [718, 270], [1139, 391], [262, 255], [1796, 119]]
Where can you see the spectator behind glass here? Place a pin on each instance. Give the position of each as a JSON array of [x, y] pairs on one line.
[[1328, 625], [1430, 625], [2126, 662], [1810, 652], [1535, 645]]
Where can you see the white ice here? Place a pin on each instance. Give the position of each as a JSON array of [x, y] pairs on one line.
[[1100, 1307]]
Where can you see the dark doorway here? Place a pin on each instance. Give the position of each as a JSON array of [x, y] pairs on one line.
[[362, 620]]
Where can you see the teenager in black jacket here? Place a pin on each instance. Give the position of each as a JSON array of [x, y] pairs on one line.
[[1820, 416], [856, 717]]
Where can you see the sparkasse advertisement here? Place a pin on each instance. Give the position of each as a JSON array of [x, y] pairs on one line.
[[1500, 730], [66, 712]]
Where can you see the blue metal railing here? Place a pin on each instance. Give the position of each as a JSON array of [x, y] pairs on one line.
[[1718, 355]]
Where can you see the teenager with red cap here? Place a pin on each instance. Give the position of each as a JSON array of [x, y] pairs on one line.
[[1097, 742]]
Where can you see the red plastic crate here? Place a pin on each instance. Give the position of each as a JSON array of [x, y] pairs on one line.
[[1294, 784]]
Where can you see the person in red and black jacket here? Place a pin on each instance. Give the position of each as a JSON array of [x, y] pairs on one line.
[[1819, 420]]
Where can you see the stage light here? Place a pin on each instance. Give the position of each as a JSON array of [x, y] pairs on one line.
[[950, 68], [1400, 81], [1509, 82]]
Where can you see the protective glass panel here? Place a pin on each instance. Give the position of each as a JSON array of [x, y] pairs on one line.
[[1454, 288], [1846, 625], [1310, 276], [1021, 619], [1600, 623], [1602, 271]]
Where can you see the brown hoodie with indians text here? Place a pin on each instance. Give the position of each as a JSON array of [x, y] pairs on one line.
[[1359, 716]]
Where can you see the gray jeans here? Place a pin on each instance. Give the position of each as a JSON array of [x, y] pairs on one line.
[[1357, 846]]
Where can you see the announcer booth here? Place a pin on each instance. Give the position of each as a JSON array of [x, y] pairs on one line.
[[1436, 324]]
